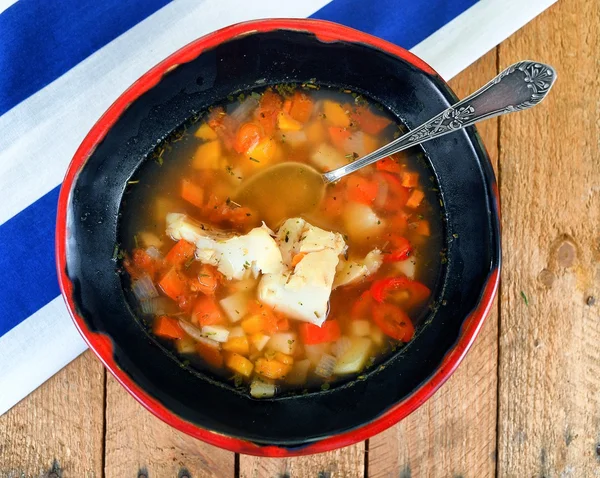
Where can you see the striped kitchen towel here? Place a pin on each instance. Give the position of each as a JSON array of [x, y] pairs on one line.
[[62, 63]]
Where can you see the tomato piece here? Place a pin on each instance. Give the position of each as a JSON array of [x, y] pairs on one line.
[[207, 280], [393, 321], [339, 136], [168, 328], [401, 250], [389, 165], [173, 284], [248, 136], [312, 334], [368, 121], [361, 309], [418, 292], [142, 262], [397, 194], [266, 114], [223, 125], [301, 107]]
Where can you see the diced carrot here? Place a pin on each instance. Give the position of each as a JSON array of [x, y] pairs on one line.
[[192, 193], [361, 189], [253, 324], [312, 334], [423, 228], [173, 283], [283, 358], [239, 345], [301, 108], [415, 199], [247, 137], [410, 180], [206, 312], [271, 322], [207, 280], [339, 136], [239, 364], [297, 258], [205, 132], [397, 194], [335, 114], [368, 121], [398, 223], [286, 123], [389, 164], [208, 156], [273, 369], [332, 204], [226, 212], [287, 105], [211, 353], [180, 253], [283, 324], [168, 328]]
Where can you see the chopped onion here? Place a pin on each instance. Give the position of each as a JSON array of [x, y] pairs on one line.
[[294, 138], [260, 388], [191, 330], [185, 345], [314, 352], [154, 253], [356, 144], [210, 343], [155, 306], [340, 347], [149, 239], [218, 333], [326, 365], [144, 289], [242, 112], [236, 332], [259, 341]]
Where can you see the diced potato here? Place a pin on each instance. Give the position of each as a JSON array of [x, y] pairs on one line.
[[335, 114], [315, 132], [239, 364], [217, 333], [415, 198], [353, 361], [246, 284], [262, 388], [299, 372], [407, 267], [360, 328], [294, 138], [327, 158], [264, 152], [236, 332], [235, 306], [205, 133], [315, 352], [259, 341], [238, 345], [186, 345], [253, 324], [362, 224], [284, 342], [283, 358], [286, 123], [272, 369], [149, 239], [208, 156], [377, 335]]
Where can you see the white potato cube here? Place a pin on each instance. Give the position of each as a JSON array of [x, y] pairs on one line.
[[235, 306]]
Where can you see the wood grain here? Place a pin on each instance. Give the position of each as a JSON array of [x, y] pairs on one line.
[[454, 433], [139, 444], [549, 362], [58, 428], [344, 463]]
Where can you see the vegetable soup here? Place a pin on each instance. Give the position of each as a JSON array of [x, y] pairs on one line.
[[282, 306]]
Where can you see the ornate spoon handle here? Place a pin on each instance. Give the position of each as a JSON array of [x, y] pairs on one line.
[[519, 87]]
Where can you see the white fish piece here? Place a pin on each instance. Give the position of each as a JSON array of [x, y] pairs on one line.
[[350, 272], [233, 255]]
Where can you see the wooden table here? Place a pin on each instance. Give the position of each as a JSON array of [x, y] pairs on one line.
[[526, 400]]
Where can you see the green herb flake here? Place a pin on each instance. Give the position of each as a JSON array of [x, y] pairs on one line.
[[325, 386], [135, 239], [525, 299], [133, 182], [229, 170], [241, 97], [286, 89], [290, 342], [455, 236], [230, 98], [238, 381], [246, 265], [287, 236], [115, 252], [255, 95], [189, 262], [254, 159]]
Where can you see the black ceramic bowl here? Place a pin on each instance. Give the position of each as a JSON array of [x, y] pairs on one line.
[[205, 72]]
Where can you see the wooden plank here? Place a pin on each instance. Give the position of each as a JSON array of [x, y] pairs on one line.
[[344, 463], [454, 433], [58, 428], [139, 444], [549, 361]]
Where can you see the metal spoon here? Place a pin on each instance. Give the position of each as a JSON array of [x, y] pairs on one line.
[[300, 187]]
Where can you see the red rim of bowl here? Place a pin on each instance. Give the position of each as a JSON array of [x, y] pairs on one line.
[[102, 345]]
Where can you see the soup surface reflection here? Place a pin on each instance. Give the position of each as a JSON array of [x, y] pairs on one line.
[[281, 305]]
